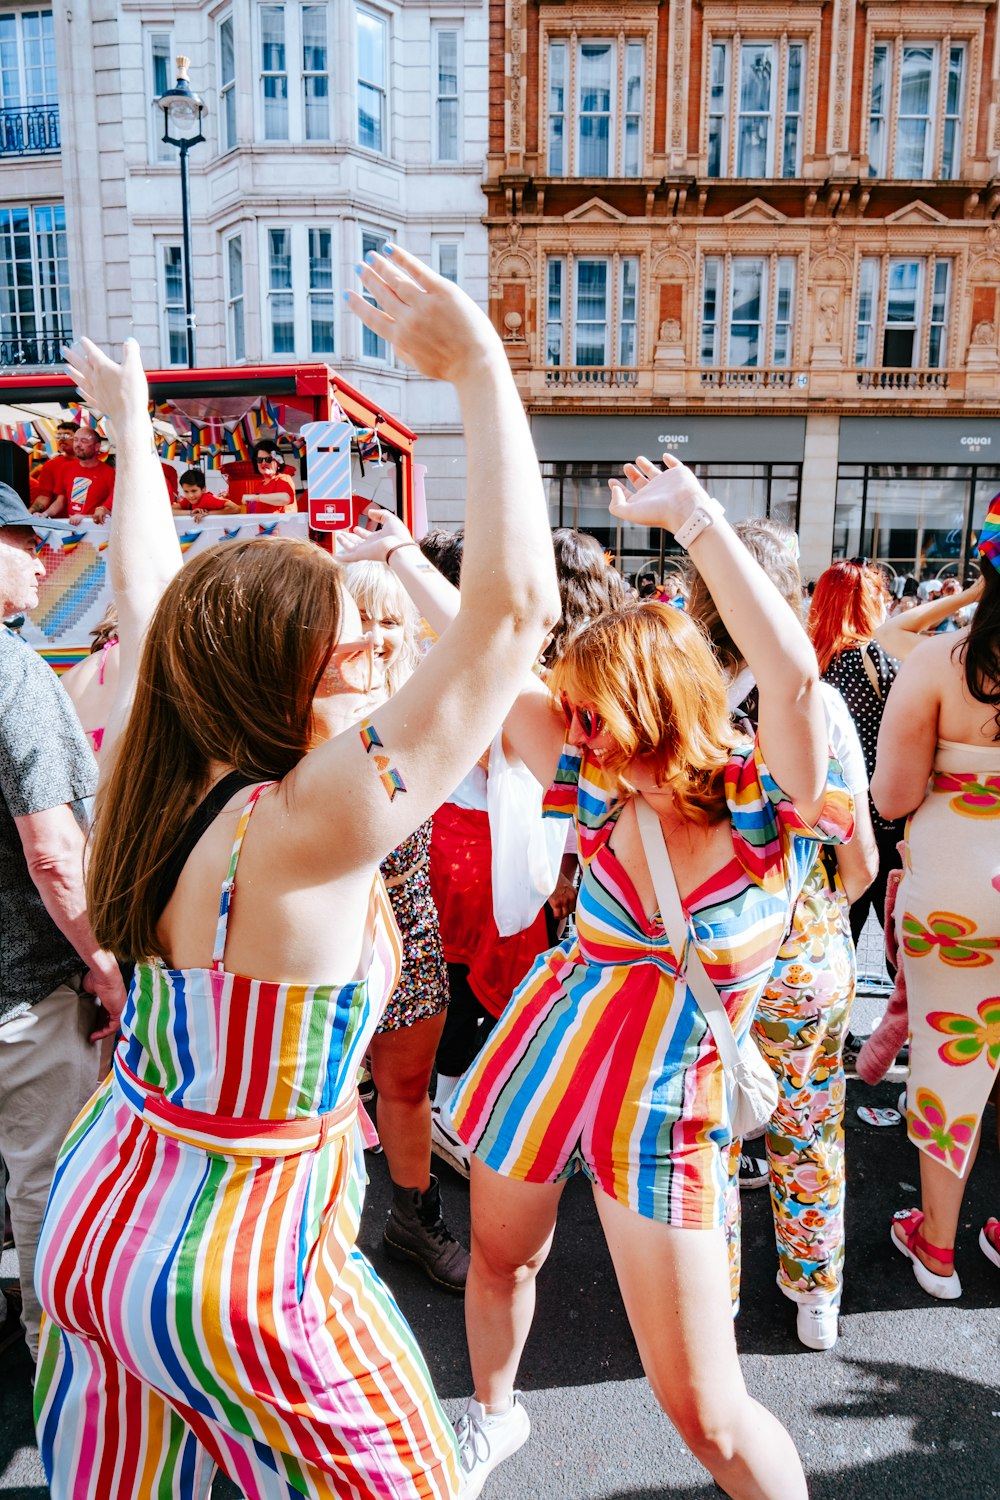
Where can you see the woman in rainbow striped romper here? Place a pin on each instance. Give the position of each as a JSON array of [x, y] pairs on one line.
[[206, 1305], [603, 1061]]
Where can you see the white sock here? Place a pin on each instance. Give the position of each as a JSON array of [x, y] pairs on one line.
[[444, 1089]]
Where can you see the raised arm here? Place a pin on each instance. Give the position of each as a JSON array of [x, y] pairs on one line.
[[908, 734], [532, 729], [792, 723], [144, 553], [379, 783], [899, 635]]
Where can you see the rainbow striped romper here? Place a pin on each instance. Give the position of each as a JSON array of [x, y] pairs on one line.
[[603, 1061], [205, 1301]]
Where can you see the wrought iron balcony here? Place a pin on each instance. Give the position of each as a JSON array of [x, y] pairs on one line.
[[606, 376], [37, 349], [904, 380], [31, 131]]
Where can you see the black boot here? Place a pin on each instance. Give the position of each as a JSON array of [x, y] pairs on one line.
[[416, 1231]]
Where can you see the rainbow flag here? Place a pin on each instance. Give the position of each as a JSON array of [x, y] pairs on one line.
[[238, 444], [989, 534], [187, 539]]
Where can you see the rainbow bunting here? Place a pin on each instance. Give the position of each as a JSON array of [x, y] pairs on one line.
[[238, 444], [266, 529]]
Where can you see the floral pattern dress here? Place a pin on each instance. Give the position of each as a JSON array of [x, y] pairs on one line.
[[948, 926]]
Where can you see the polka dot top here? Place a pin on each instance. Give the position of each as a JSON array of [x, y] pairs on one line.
[[848, 674]]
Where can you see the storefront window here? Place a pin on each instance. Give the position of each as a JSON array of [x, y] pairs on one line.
[[912, 518], [578, 496]]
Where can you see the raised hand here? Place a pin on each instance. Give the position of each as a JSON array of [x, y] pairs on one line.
[[120, 391], [659, 497], [364, 545], [430, 322]]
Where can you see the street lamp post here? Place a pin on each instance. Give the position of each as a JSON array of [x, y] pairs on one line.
[[182, 113]]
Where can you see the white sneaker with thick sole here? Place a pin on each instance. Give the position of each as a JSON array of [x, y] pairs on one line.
[[816, 1324], [485, 1439], [446, 1144]]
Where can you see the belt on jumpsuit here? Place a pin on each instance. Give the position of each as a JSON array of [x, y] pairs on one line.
[[233, 1135]]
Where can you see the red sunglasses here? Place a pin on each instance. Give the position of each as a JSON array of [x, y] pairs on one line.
[[590, 722]]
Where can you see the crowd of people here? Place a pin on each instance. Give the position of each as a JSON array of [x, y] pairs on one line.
[[576, 888]]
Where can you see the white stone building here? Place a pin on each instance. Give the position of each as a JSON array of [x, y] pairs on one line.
[[331, 126]]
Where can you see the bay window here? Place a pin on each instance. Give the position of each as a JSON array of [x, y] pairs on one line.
[[294, 62], [299, 289]]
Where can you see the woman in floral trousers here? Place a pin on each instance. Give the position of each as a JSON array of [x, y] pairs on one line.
[[803, 1012]]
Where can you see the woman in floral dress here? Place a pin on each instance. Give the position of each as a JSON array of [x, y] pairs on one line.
[[939, 761]]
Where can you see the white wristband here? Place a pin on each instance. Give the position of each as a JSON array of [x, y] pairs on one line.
[[705, 514]]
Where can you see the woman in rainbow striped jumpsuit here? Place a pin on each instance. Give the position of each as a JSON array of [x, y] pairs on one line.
[[603, 1061], [206, 1305]]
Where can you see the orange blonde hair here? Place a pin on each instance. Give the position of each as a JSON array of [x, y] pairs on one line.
[[848, 606], [651, 675]]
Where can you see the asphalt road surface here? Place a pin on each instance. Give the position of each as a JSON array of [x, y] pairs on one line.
[[906, 1407]]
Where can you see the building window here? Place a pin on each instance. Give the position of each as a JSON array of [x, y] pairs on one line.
[[227, 85], [29, 99], [607, 90], [235, 301], [321, 291], [762, 135], [903, 307], [300, 289], [160, 71], [294, 72], [372, 347], [315, 75], [447, 259], [280, 294], [35, 317], [372, 50], [599, 324], [915, 114], [173, 322], [446, 95], [274, 72], [747, 311]]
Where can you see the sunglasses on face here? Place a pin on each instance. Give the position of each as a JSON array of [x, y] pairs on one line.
[[590, 722]]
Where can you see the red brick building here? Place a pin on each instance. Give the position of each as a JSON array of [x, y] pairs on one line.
[[754, 232]]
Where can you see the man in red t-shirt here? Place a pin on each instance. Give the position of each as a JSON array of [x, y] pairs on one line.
[[43, 484], [86, 485]]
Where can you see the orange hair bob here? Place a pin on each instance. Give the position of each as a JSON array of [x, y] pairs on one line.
[[848, 606], [651, 675]]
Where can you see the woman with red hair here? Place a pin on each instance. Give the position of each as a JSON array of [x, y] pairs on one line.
[[850, 602]]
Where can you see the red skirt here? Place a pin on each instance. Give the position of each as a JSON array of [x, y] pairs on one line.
[[462, 886]]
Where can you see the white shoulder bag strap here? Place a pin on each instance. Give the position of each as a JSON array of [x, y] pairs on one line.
[[672, 914]]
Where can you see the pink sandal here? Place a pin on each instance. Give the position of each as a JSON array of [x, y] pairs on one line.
[[989, 1240], [947, 1288]]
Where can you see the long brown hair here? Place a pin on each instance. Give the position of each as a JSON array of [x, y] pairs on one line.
[[766, 542], [231, 663], [650, 673], [848, 605]]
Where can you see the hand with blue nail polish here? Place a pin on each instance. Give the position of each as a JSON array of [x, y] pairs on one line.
[[430, 322]]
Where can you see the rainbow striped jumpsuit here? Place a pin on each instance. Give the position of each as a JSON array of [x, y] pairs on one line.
[[603, 1061], [206, 1305]]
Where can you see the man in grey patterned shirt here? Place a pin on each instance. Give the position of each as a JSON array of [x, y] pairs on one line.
[[51, 969]]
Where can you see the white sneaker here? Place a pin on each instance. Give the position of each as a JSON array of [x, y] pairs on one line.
[[485, 1439], [446, 1144], [816, 1324]]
